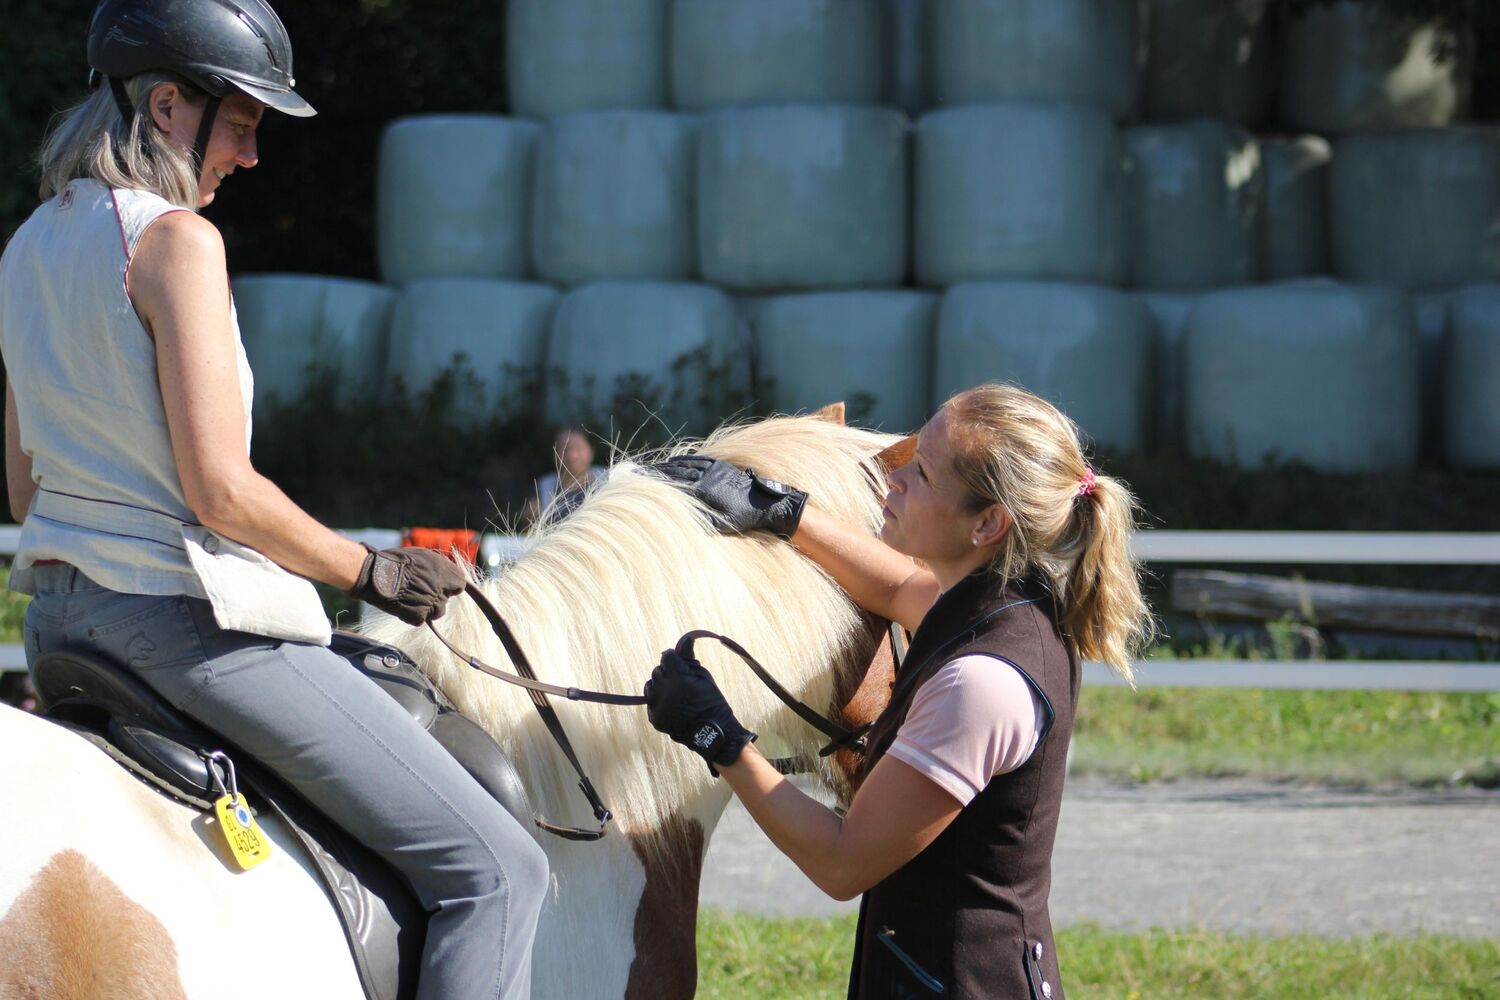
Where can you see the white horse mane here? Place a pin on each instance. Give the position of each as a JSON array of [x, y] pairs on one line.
[[598, 597]]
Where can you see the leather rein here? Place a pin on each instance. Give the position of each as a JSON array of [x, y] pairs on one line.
[[525, 677]]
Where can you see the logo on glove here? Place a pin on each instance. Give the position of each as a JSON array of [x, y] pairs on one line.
[[708, 736]]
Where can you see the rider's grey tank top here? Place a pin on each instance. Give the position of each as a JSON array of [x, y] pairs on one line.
[[83, 370]]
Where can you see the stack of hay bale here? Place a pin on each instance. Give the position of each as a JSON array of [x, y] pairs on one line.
[[1023, 205], [1372, 208], [1191, 230]]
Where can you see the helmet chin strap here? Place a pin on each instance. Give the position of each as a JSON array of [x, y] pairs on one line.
[[122, 100], [205, 130]]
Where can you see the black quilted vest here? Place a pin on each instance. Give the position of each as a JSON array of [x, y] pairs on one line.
[[967, 917]]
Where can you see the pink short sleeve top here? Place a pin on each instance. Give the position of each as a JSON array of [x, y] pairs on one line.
[[976, 717]]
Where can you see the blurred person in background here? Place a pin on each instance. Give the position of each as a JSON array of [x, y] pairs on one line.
[[573, 455]]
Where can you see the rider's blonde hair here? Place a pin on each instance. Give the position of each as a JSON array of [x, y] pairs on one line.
[[1069, 522], [91, 139]]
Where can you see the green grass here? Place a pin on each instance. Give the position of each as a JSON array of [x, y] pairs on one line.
[[746, 956], [1345, 737], [742, 956], [1163, 965], [12, 609]]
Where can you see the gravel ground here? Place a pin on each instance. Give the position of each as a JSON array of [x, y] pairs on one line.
[[1238, 856]]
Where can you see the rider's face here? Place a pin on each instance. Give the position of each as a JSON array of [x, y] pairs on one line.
[[232, 143]]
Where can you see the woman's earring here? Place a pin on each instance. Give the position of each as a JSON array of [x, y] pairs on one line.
[[975, 541]]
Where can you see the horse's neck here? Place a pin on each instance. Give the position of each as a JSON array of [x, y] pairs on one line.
[[623, 914]]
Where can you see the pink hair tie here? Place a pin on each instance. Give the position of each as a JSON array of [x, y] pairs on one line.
[[1087, 483]]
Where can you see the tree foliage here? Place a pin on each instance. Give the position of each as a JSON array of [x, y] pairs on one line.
[[1456, 13]]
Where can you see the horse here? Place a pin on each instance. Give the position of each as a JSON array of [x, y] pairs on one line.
[[108, 889]]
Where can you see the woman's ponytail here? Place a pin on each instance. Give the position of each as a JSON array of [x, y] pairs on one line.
[[1070, 523], [1104, 612]]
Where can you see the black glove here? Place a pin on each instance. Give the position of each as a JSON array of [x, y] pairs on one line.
[[412, 584], [737, 499], [683, 702]]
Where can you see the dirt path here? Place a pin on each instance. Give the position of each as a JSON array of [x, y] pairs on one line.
[[1239, 856]]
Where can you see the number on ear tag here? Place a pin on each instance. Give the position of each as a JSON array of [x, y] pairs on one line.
[[246, 841]]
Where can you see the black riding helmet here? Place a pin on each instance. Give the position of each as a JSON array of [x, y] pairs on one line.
[[220, 46]]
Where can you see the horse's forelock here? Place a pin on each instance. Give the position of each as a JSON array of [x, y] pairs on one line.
[[600, 595]]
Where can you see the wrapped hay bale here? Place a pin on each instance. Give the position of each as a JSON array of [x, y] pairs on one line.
[[1356, 67], [1472, 375], [1296, 233], [908, 83], [1169, 316], [747, 310], [1312, 372], [1431, 311], [297, 326], [632, 349], [1207, 59], [498, 327], [1081, 51], [452, 197], [1419, 209], [777, 52], [1020, 191], [1086, 348], [1198, 197], [614, 197], [872, 350], [574, 55], [798, 196], [749, 307]]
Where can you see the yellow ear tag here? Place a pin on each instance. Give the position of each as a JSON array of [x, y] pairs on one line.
[[246, 841]]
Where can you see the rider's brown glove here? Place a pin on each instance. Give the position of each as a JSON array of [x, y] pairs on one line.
[[412, 584]]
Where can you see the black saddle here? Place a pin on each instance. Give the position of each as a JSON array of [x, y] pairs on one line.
[[385, 927]]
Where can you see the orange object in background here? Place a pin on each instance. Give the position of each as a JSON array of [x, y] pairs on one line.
[[444, 540]]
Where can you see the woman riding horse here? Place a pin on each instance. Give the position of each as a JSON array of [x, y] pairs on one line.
[[1023, 568], [148, 536]]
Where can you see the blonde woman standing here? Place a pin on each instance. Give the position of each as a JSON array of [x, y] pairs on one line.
[[1007, 555], [150, 539]]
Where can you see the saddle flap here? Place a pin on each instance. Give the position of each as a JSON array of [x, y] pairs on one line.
[[180, 766], [489, 765], [396, 674], [399, 677]]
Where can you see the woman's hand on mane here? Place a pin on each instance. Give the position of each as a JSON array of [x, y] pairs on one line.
[[737, 499]]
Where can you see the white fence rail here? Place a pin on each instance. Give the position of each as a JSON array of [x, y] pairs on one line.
[[1198, 547], [1311, 548], [1341, 547]]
